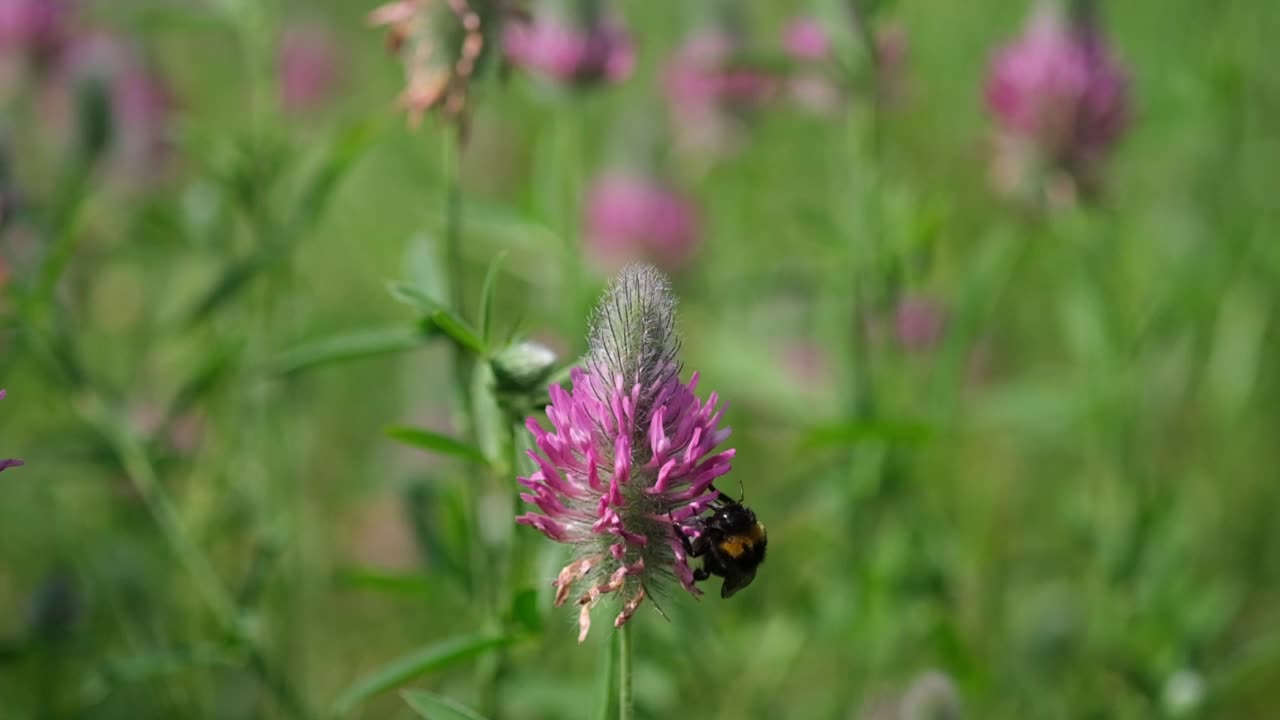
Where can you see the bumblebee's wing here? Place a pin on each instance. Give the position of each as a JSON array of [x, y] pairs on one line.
[[735, 580]]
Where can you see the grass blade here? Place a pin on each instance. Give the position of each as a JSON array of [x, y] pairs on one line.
[[437, 707], [436, 443], [278, 242], [352, 345], [431, 658], [452, 324], [487, 294], [461, 332]]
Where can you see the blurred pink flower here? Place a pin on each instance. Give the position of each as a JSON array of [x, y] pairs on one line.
[[137, 104], [1058, 93], [629, 217], [811, 84], [805, 39], [806, 363], [310, 67], [597, 52], [35, 29], [710, 91], [919, 323], [893, 46]]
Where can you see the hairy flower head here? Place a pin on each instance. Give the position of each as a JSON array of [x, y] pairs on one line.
[[630, 459]]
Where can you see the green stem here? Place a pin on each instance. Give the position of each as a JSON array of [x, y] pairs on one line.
[[626, 703], [864, 263], [454, 264], [609, 678], [139, 469], [484, 564], [65, 236]]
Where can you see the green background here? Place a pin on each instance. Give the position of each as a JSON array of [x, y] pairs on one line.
[[1079, 524]]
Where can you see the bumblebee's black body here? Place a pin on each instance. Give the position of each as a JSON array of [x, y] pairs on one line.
[[732, 544]]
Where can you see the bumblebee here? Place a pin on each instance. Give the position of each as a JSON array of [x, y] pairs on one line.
[[731, 543]]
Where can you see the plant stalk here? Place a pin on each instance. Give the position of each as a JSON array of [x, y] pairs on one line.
[[626, 703]]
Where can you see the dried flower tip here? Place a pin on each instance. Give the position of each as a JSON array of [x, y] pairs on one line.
[[440, 46]]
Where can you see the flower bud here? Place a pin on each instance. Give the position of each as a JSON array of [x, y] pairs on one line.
[[523, 366]]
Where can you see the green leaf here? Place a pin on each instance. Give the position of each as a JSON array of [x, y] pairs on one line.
[[415, 297], [347, 147], [487, 294], [436, 707], [352, 345], [214, 369], [234, 278], [458, 329], [278, 242], [437, 443], [452, 324], [430, 658]]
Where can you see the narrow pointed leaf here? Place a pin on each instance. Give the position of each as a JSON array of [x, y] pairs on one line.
[[436, 443], [415, 297], [234, 278], [436, 707], [214, 369], [458, 329], [352, 345], [449, 322], [278, 242], [487, 294], [430, 658], [348, 145]]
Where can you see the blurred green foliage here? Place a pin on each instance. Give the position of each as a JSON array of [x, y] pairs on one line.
[[1067, 507]]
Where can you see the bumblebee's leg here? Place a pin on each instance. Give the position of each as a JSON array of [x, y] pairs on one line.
[[711, 563], [698, 547]]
